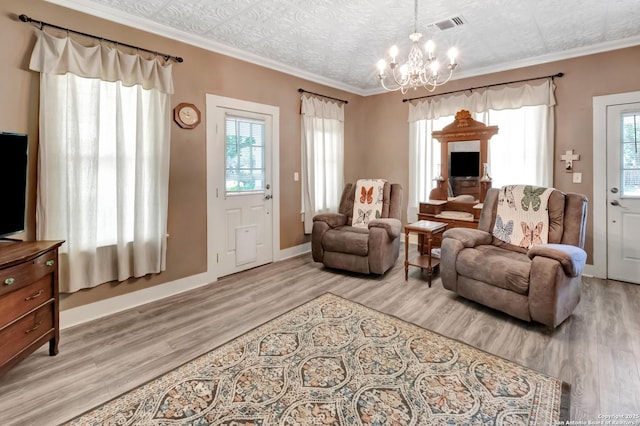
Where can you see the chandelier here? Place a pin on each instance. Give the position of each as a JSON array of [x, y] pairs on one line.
[[418, 70]]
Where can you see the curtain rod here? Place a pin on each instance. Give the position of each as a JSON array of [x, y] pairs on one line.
[[560, 74], [318, 94], [25, 18]]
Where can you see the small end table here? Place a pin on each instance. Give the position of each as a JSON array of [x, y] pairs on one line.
[[427, 228]]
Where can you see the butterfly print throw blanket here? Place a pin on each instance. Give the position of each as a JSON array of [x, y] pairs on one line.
[[522, 217], [368, 202]]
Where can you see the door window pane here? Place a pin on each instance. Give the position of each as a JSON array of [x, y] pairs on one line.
[[630, 155], [244, 155]]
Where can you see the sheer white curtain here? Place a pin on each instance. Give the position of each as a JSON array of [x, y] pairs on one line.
[[103, 160], [424, 159], [522, 152], [322, 157]]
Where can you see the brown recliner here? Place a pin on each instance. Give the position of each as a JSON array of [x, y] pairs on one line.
[[542, 284], [375, 249]]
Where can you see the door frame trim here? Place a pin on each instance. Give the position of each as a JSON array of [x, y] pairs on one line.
[[212, 103], [600, 106]]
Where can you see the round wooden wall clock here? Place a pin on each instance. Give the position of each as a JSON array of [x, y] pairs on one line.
[[186, 115]]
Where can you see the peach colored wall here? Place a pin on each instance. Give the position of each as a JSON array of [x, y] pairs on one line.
[[585, 77], [201, 72], [376, 129]]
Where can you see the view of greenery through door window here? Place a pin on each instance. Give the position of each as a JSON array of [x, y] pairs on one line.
[[244, 152], [631, 155]]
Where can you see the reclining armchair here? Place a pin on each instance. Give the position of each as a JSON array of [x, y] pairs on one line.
[[541, 283], [371, 248]]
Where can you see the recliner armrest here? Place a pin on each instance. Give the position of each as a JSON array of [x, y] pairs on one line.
[[469, 237], [331, 219], [571, 258], [391, 225]]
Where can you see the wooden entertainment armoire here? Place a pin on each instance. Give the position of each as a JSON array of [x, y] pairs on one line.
[[442, 208]]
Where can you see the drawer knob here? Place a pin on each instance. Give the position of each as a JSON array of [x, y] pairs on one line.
[[50, 262], [9, 281]]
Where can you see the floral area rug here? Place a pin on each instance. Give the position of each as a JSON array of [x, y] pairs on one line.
[[336, 362]]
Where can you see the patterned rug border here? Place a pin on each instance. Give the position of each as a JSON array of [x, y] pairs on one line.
[[565, 401]]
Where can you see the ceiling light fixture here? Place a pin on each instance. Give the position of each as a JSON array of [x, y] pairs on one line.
[[418, 70]]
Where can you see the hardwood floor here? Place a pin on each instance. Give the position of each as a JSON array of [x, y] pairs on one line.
[[597, 350]]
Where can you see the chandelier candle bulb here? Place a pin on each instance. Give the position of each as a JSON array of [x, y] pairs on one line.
[[430, 47], [453, 54], [393, 52], [435, 67]]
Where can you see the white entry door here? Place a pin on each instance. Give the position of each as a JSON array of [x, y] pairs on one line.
[[623, 192], [244, 188]]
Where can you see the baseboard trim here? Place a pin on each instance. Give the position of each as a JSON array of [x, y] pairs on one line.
[[294, 251], [92, 311], [588, 270]]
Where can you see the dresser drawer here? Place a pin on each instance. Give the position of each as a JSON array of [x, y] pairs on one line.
[[467, 183], [26, 273], [24, 299], [25, 331]]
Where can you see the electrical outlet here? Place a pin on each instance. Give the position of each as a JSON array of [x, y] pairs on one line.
[[296, 177], [577, 177]]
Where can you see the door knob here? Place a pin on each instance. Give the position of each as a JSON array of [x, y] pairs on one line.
[[615, 203], [267, 197]]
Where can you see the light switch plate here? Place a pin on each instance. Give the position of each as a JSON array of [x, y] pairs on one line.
[[296, 177], [577, 177]]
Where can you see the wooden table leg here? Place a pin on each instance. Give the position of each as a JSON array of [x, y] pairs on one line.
[[430, 270], [406, 255]]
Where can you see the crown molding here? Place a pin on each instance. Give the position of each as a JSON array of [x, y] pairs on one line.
[[198, 41], [201, 42]]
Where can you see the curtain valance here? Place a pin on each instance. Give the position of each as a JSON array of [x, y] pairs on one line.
[[319, 108], [493, 98], [54, 55]]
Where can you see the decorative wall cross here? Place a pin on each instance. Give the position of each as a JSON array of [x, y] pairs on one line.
[[569, 157]]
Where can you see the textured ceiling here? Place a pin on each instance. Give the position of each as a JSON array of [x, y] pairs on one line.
[[338, 42]]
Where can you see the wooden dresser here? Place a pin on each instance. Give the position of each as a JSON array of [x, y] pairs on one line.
[[435, 209], [29, 306]]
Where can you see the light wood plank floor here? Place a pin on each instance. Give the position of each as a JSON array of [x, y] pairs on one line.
[[597, 350]]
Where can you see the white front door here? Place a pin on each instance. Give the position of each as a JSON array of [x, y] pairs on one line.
[[623, 192], [242, 161]]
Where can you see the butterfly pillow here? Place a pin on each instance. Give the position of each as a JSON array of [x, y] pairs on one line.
[[522, 216], [368, 201]]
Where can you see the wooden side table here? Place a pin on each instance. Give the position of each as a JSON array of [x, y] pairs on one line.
[[427, 229]]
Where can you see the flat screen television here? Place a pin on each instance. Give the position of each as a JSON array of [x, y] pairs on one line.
[[13, 181], [464, 164]]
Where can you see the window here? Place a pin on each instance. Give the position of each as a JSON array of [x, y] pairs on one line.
[[322, 157], [630, 167], [519, 153], [424, 158], [244, 155], [103, 173]]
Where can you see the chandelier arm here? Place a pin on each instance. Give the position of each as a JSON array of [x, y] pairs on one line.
[[388, 88]]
